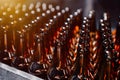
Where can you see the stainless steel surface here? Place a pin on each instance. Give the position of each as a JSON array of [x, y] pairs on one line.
[[15, 72]]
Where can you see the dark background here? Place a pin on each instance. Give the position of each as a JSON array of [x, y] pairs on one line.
[[111, 6], [100, 6]]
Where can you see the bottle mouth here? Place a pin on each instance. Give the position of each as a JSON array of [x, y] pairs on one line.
[[105, 16]]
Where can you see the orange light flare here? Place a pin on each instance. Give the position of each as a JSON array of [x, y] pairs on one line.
[[76, 30], [114, 35], [7, 3]]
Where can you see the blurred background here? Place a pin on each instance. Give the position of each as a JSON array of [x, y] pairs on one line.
[[111, 6], [100, 6], [39, 34]]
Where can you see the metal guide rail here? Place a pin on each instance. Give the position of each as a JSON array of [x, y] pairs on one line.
[[11, 73]]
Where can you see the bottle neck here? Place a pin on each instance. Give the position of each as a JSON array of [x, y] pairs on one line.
[[56, 55], [5, 40], [27, 39], [117, 41], [21, 45], [14, 37], [39, 49]]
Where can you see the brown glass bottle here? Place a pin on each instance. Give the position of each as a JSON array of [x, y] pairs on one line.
[[94, 46], [6, 56], [19, 60], [116, 55], [38, 67], [107, 49]]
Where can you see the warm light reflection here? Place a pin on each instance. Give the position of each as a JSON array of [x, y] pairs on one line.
[[11, 3], [7, 3]]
